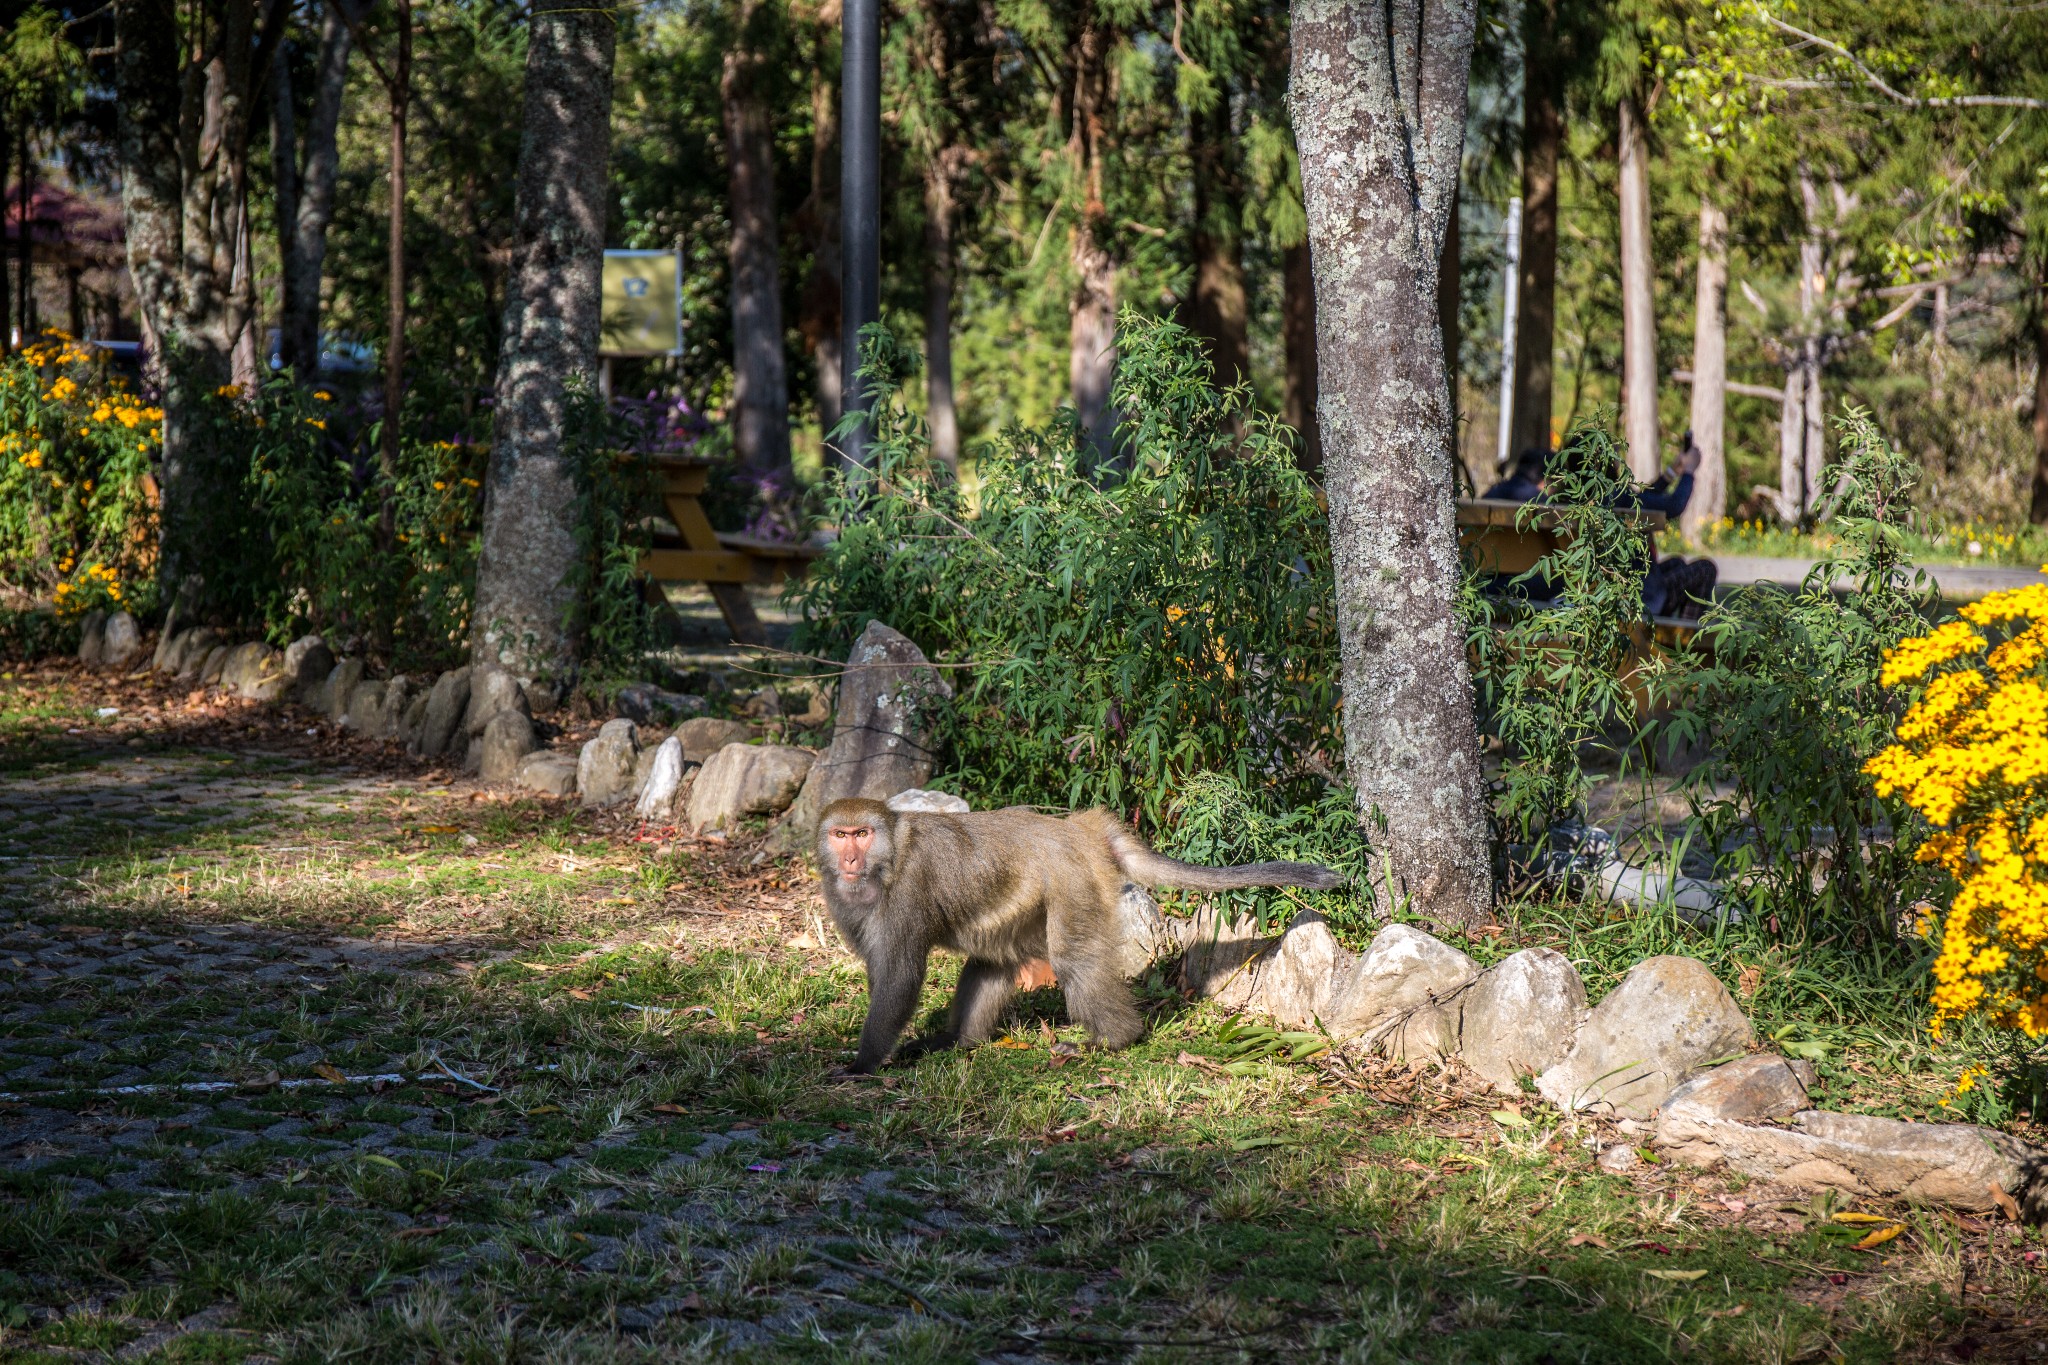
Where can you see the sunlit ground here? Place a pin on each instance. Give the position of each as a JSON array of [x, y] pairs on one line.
[[308, 1055]]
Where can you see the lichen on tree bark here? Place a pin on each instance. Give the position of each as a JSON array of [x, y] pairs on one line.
[[1378, 100], [528, 614]]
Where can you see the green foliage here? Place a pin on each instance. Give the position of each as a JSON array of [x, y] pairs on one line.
[[1110, 636], [1785, 696], [1217, 821], [76, 523], [1554, 679]]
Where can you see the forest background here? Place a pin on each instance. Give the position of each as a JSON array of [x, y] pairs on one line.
[[1870, 235]]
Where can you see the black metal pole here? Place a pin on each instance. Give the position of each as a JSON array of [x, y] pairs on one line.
[[860, 209]]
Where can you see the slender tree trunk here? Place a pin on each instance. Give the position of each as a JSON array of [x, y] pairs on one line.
[[394, 235], [303, 229], [1638, 304], [284, 187], [941, 416], [1536, 302], [1937, 352], [24, 244], [1710, 373], [529, 609], [2037, 511], [1792, 441], [1298, 338], [6, 282], [1378, 97], [1812, 265], [760, 380], [1091, 313], [821, 315], [1218, 311]]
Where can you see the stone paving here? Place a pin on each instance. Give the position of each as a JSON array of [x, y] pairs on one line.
[[350, 1106]]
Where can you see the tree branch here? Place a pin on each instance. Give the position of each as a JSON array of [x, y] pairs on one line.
[[1879, 84]]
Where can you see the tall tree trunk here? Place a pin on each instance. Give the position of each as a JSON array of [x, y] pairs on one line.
[[182, 149], [1379, 96], [1638, 304], [1091, 312], [1536, 301], [1298, 339], [760, 380], [1792, 440], [24, 242], [2037, 511], [302, 230], [821, 316], [529, 610], [6, 282], [1812, 268], [1218, 310], [941, 415], [400, 95], [284, 185], [1710, 372]]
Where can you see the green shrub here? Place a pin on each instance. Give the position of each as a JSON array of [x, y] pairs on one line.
[[1553, 680], [1113, 632], [1217, 822], [1785, 695]]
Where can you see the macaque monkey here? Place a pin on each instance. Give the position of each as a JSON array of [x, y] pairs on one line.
[[1000, 888]]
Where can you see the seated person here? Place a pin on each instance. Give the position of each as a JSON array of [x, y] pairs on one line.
[[1672, 489], [1525, 483]]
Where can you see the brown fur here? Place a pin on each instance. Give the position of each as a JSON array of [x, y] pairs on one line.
[[1000, 888]]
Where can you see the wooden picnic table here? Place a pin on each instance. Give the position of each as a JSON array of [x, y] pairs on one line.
[[724, 562], [1503, 540]]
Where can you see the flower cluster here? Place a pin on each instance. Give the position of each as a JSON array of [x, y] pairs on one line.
[[75, 451], [1971, 755]]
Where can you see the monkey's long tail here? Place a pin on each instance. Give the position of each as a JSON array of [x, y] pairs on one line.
[[1147, 868]]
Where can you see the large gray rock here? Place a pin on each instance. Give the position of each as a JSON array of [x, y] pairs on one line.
[[1426, 1033], [1220, 955], [254, 670], [1954, 1164], [1403, 970], [604, 771], [884, 736], [490, 691], [414, 720], [658, 794], [216, 660], [548, 772], [92, 638], [447, 702], [706, 735], [918, 800], [1747, 1090], [1145, 936], [398, 698], [188, 653], [1665, 1020], [121, 641], [646, 704], [336, 693], [1520, 1017], [307, 662], [747, 779], [365, 704], [506, 740]]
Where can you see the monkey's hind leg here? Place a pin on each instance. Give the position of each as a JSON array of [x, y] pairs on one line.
[[985, 989], [1098, 998]]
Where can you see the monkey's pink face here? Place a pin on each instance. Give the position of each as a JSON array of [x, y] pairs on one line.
[[850, 845]]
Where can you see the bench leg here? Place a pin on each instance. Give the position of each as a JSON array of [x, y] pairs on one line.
[[739, 613]]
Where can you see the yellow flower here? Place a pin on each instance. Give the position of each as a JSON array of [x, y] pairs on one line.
[[228, 391], [1912, 658], [316, 422]]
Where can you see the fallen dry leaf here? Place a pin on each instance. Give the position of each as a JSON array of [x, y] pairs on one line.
[[1580, 1239], [1879, 1237]]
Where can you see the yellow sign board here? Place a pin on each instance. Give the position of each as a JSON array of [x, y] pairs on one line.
[[643, 303]]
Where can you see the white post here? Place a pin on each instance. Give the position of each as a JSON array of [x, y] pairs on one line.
[[1507, 332]]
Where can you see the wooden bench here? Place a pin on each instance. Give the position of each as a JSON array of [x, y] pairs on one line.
[[1510, 538], [724, 563]]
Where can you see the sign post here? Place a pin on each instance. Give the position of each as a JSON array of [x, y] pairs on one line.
[[860, 209]]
